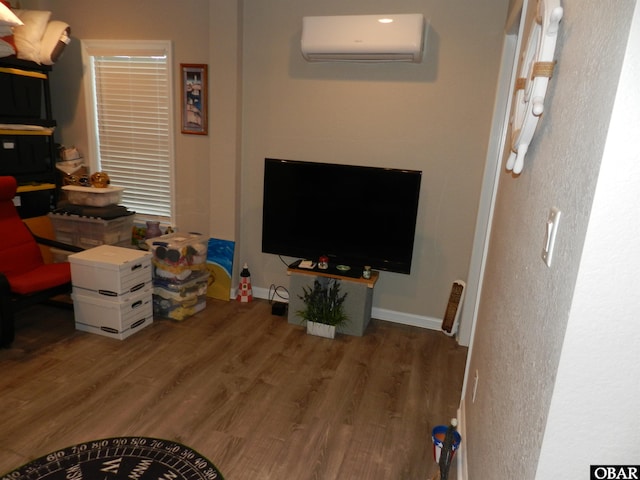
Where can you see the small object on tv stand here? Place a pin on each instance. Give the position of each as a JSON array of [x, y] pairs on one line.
[[366, 273], [332, 269]]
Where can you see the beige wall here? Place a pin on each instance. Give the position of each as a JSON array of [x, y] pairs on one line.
[[434, 116], [201, 32]]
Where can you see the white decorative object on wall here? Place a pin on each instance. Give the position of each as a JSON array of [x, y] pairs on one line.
[[536, 68]]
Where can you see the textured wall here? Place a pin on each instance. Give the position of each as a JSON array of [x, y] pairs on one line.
[[595, 401], [525, 305]]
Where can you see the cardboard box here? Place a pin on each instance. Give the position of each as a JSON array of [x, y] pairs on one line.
[[111, 271], [113, 319]]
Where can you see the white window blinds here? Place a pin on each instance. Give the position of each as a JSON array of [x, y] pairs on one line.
[[131, 115]]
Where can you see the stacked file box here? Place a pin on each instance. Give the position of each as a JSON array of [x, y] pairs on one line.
[[112, 290], [180, 274]]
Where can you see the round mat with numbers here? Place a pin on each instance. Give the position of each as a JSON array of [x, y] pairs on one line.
[[119, 458]]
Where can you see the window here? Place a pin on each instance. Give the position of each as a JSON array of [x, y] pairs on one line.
[[130, 121]]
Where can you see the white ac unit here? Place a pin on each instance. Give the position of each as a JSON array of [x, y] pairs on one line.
[[364, 38]]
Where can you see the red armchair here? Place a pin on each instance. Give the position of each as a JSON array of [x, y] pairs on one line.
[[24, 277]]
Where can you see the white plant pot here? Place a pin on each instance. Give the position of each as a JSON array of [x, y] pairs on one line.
[[321, 329]]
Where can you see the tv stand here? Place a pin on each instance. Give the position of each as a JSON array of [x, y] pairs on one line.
[[357, 304], [354, 271]]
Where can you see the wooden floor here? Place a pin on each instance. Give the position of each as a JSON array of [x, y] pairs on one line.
[[258, 397]]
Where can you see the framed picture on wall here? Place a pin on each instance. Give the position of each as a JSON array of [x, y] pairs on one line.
[[194, 98]]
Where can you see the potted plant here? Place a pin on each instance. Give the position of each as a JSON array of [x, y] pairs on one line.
[[324, 307]]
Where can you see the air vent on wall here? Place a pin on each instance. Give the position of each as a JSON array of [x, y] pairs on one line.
[[364, 38]]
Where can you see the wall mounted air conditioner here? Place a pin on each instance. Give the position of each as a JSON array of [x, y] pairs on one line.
[[364, 38]]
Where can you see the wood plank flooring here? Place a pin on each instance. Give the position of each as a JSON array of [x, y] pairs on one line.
[[257, 396]]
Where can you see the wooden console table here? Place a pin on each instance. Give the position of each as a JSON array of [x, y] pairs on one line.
[[357, 305]]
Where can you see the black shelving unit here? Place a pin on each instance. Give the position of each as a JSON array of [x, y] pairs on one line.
[[27, 145]]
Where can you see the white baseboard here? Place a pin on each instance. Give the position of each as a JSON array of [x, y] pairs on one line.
[[258, 292], [407, 318], [263, 293], [461, 454], [379, 313]]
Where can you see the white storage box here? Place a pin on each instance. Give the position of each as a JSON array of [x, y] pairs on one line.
[[114, 296], [93, 197], [113, 319], [178, 257], [89, 232], [111, 271]]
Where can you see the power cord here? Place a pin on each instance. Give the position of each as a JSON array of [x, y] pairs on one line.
[[274, 291], [279, 306], [282, 260]]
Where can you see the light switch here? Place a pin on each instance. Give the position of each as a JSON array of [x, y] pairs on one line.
[[550, 235]]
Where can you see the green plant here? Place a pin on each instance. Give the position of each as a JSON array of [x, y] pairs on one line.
[[323, 302]]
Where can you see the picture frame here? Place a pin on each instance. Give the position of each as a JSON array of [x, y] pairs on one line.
[[194, 99]]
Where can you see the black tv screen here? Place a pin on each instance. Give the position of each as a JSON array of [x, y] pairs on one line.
[[355, 215]]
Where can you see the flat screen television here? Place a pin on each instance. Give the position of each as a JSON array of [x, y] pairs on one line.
[[355, 215]]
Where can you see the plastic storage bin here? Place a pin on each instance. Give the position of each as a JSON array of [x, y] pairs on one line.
[[89, 232], [110, 271], [113, 319], [178, 257], [25, 154], [35, 200], [180, 300], [20, 95], [93, 197]]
